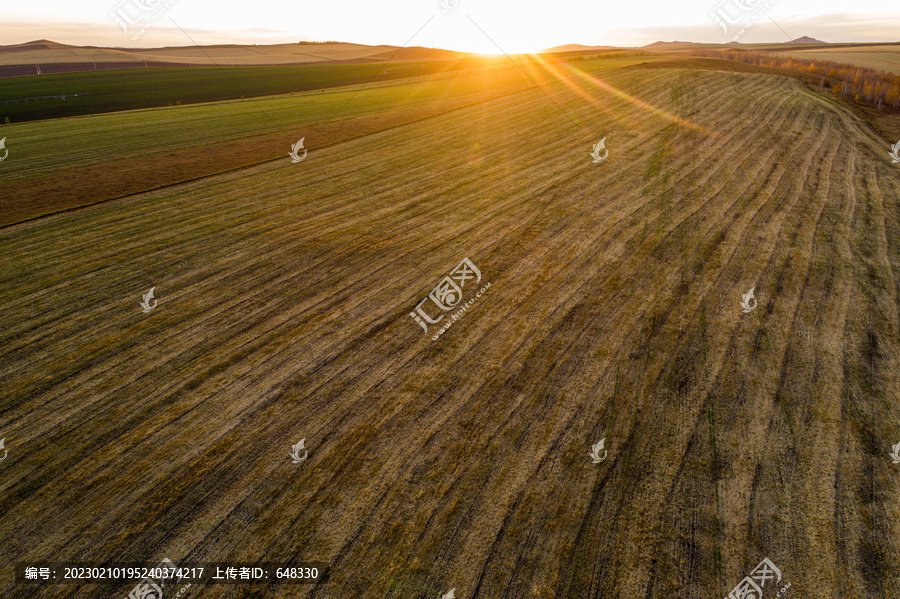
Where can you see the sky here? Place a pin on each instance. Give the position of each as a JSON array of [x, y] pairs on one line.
[[490, 26]]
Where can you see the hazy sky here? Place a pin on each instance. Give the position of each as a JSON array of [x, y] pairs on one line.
[[514, 26]]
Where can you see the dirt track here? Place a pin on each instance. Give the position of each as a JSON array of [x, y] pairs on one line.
[[284, 298]]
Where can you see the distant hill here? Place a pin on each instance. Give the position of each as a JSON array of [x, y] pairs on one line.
[[579, 48], [46, 52], [38, 44], [670, 44], [806, 40], [35, 45]]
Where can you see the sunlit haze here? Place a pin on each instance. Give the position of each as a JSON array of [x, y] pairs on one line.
[[488, 26]]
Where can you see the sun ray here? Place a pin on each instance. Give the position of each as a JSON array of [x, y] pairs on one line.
[[639, 103], [599, 83]]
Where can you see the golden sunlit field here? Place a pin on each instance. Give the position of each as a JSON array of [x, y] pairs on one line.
[[608, 306], [882, 58]]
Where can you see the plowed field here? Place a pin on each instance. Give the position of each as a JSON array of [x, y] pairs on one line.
[[284, 298]]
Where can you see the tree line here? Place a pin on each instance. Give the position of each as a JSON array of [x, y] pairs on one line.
[[879, 88]]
